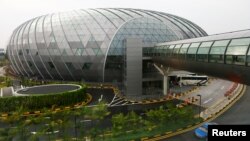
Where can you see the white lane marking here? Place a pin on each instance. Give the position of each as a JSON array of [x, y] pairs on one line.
[[222, 87], [85, 121], [116, 99], [100, 99], [207, 100], [125, 103], [112, 100], [122, 105], [96, 105], [116, 103]]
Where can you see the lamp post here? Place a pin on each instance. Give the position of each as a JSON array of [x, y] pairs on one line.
[[200, 105]]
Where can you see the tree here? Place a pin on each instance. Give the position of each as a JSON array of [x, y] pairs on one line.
[[14, 118], [98, 114], [65, 123], [35, 121], [118, 123], [133, 121]]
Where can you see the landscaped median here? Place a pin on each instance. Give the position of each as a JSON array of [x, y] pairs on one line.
[[36, 103], [154, 123]]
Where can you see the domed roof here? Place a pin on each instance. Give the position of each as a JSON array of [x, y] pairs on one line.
[[74, 37]]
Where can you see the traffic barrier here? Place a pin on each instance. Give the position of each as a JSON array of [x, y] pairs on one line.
[[4, 115], [179, 129], [144, 138], [169, 132]]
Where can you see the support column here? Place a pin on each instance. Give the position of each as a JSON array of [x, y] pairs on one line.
[[164, 72], [165, 84], [133, 78]]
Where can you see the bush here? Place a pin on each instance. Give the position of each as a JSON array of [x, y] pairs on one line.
[[35, 102]]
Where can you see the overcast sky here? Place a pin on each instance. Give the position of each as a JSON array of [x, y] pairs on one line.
[[214, 16]]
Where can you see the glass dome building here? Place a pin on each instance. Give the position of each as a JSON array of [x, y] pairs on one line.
[[94, 45]]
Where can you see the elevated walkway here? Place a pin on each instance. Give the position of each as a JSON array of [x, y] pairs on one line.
[[224, 55]]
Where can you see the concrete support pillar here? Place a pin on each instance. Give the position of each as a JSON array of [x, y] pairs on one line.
[[165, 84], [164, 72], [133, 78]]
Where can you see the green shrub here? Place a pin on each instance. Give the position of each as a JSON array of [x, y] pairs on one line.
[[36, 102]]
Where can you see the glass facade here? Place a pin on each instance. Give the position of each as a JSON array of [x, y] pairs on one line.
[[228, 48], [88, 44]]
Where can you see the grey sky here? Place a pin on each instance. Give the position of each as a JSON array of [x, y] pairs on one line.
[[214, 16]]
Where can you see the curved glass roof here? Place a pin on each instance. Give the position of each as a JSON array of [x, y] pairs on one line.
[[222, 36], [69, 45]]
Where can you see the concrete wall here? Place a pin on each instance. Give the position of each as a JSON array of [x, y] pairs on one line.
[[133, 76]]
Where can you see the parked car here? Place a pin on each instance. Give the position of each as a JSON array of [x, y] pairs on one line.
[[201, 132]]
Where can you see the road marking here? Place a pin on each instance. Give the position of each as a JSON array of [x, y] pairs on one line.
[[112, 100], [96, 105], [116, 99], [222, 87], [122, 105], [100, 99], [207, 100], [118, 102], [125, 103], [54, 132], [85, 120]]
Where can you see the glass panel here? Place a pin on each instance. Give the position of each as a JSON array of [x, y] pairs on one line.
[[216, 58], [244, 41], [202, 57], [191, 56], [217, 50], [86, 66], [176, 49], [194, 45], [237, 50], [235, 59], [221, 43], [248, 60], [192, 50], [185, 45], [206, 44], [203, 50], [183, 50]]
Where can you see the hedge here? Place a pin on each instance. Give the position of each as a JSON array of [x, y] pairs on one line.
[[35, 102]]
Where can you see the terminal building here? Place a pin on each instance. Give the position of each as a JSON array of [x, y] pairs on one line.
[[111, 45]]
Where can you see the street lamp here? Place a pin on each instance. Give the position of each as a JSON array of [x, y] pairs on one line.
[[200, 105]]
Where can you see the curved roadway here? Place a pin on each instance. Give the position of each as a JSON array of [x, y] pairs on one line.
[[239, 113]]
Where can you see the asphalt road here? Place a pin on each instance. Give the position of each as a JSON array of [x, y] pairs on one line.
[[239, 113], [100, 94], [211, 93]]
